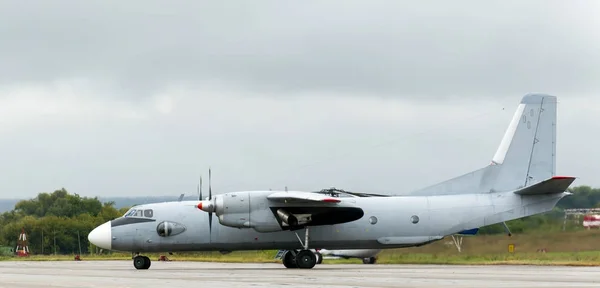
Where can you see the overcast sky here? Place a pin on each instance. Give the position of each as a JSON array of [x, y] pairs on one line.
[[131, 98]]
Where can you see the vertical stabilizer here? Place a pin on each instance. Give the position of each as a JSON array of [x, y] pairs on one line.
[[527, 152], [526, 155]]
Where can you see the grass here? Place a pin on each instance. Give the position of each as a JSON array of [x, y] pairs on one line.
[[580, 248]]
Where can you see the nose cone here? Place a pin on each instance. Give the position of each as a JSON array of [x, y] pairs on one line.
[[102, 236]]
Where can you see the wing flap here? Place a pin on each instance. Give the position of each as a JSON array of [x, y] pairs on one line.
[[554, 185], [301, 197]]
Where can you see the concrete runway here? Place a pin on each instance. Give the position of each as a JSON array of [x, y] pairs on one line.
[[26, 274]]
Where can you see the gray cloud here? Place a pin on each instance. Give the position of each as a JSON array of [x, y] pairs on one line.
[[428, 48], [275, 93]]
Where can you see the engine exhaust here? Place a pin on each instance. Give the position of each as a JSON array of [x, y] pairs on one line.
[[287, 218]]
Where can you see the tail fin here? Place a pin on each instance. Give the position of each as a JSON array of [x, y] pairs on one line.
[[526, 154]]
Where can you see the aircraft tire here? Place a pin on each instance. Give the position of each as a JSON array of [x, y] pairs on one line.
[[141, 262], [289, 261], [148, 262], [319, 258], [306, 259], [370, 260]]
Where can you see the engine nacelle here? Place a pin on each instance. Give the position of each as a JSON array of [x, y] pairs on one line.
[[233, 209]]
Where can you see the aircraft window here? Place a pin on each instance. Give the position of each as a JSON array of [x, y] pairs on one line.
[[166, 228], [414, 219], [147, 213], [373, 220]]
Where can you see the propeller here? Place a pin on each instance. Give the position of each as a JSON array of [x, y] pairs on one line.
[[209, 199], [207, 205]]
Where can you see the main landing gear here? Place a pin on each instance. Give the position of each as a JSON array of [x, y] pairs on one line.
[[141, 262], [304, 258], [370, 260]]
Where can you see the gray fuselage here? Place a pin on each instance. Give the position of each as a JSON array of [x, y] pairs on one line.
[[388, 222]]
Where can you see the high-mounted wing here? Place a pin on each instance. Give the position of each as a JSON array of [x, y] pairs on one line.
[[295, 209], [337, 192], [292, 210], [301, 197]]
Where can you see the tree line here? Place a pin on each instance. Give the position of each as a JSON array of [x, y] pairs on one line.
[[59, 222], [56, 222]]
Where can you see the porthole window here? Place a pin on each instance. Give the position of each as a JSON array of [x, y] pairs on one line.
[[373, 220], [414, 219], [166, 229]]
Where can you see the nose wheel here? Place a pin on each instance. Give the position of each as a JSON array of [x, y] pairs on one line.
[[141, 262]]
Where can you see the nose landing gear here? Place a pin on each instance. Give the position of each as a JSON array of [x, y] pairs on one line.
[[141, 262]]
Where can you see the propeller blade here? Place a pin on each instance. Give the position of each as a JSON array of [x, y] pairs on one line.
[[200, 189], [210, 225], [209, 198]]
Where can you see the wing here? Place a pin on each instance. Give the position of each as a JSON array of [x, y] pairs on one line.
[[295, 209], [301, 197], [337, 192]]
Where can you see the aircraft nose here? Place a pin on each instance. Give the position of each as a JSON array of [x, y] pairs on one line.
[[101, 236]]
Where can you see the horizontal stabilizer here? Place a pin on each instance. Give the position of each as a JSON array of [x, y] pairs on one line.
[[299, 197], [554, 185]]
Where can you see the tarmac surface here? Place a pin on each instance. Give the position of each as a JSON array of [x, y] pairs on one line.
[[26, 274]]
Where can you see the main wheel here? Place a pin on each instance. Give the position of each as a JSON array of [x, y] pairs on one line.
[[319, 257], [141, 262], [288, 259], [306, 259], [370, 260]]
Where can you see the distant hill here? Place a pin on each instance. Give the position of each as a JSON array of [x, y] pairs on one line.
[[120, 202], [7, 204]]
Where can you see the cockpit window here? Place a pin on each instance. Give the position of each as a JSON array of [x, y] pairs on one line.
[[129, 212], [145, 213]]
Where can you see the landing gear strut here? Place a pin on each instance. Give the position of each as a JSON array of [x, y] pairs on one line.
[[141, 262], [304, 258]]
